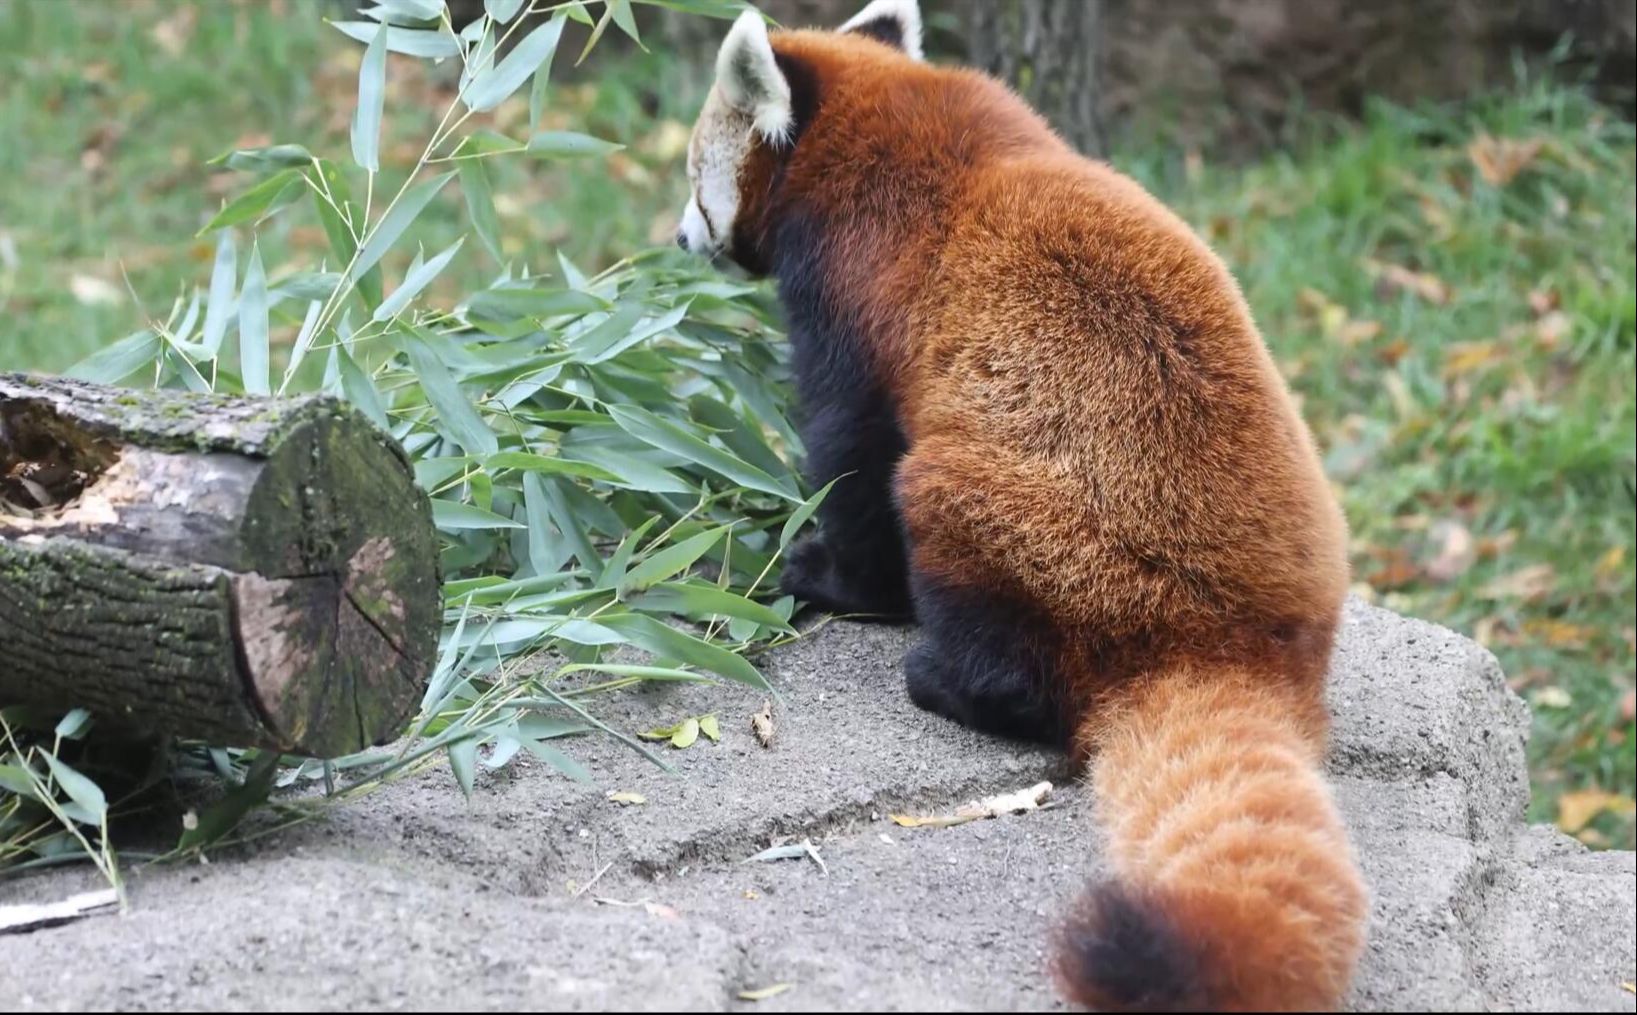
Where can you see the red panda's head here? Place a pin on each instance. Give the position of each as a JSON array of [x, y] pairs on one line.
[[751, 121]]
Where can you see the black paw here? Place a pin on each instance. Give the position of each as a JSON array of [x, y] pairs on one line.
[[809, 572], [926, 681], [986, 699], [812, 575], [807, 566]]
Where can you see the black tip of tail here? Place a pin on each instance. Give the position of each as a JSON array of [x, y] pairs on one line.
[[1121, 952]]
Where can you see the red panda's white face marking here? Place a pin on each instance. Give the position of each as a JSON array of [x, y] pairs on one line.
[[721, 141], [751, 99]]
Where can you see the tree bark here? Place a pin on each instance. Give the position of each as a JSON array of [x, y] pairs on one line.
[[1051, 52], [248, 572]]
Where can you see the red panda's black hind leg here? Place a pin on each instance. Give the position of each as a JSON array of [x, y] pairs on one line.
[[985, 664]]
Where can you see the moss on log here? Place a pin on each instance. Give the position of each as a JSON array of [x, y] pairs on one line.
[[249, 572]]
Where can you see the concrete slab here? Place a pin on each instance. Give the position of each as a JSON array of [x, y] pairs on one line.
[[416, 898]]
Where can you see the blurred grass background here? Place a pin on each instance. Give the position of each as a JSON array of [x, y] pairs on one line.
[[1449, 289]]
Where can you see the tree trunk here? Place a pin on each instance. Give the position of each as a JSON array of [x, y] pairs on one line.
[[248, 572], [1051, 52]]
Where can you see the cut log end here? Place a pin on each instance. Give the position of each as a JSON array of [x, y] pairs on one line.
[[330, 659]]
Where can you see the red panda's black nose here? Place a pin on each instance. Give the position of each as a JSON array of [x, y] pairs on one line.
[[682, 239]]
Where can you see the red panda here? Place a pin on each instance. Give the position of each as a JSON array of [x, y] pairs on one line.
[[1069, 457]]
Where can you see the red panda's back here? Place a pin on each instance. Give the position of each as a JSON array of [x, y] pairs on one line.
[[1087, 394], [1102, 358]]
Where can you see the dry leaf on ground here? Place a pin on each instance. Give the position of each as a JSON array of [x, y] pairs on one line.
[[804, 848], [1391, 278], [92, 291], [1455, 551], [989, 807], [1528, 584], [1576, 810], [1500, 159], [762, 724]]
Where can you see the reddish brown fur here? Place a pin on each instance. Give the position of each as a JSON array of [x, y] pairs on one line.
[[1209, 782], [1096, 429]]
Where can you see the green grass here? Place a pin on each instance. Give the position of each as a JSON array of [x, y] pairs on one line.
[[1463, 349], [106, 133], [110, 112]]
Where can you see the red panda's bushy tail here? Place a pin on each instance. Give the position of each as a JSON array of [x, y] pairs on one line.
[[1233, 885]]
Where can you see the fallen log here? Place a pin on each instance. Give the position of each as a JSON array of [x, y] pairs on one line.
[[243, 571]]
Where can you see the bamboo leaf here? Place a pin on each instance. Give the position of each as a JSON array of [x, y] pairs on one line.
[[502, 10], [360, 390], [412, 10], [392, 226], [341, 217], [672, 560], [515, 304], [415, 281], [527, 462], [366, 120], [666, 641], [408, 41], [278, 190], [614, 568], [118, 361], [480, 204], [260, 160], [16, 780], [495, 84], [557, 759], [620, 10], [224, 815], [799, 517], [456, 416], [448, 514], [304, 341], [542, 78], [645, 426], [604, 344], [463, 761], [73, 725], [253, 352], [80, 789], [219, 306], [686, 733], [566, 144], [549, 549], [703, 601]]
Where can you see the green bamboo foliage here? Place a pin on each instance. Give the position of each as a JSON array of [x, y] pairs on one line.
[[607, 454]]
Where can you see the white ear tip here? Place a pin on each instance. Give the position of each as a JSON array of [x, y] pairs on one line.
[[748, 30], [907, 13], [748, 74], [749, 23]]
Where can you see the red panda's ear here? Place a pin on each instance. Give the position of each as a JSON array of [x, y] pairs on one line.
[[750, 79], [894, 22]]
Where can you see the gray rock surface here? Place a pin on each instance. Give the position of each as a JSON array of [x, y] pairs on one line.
[[417, 898]]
